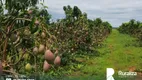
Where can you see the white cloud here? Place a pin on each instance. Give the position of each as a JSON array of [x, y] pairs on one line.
[[114, 11]]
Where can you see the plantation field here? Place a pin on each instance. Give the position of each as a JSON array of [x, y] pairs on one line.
[[73, 47], [119, 51]]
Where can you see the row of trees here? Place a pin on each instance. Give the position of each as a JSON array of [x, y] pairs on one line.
[[76, 32], [133, 28], [99, 30], [26, 34]]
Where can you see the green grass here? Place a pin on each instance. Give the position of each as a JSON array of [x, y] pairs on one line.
[[119, 53]]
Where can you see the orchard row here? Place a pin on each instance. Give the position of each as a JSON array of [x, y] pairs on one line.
[[133, 28], [30, 43]]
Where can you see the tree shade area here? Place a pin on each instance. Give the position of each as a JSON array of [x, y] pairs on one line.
[[32, 46]]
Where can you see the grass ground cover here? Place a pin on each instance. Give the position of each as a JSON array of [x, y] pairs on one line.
[[119, 51]]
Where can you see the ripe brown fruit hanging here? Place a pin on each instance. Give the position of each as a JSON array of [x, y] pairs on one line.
[[57, 61], [35, 50], [43, 35], [46, 66], [37, 22], [41, 48], [49, 56]]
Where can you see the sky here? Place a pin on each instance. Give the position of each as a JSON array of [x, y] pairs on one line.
[[114, 11]]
